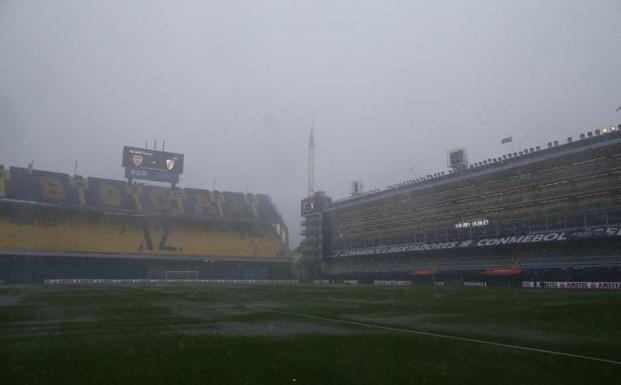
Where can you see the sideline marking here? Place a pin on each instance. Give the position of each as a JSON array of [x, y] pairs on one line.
[[445, 336], [181, 330]]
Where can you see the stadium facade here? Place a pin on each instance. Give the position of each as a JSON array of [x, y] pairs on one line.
[[536, 214], [54, 225]]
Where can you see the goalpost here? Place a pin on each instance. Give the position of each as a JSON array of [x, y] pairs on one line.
[[182, 275]]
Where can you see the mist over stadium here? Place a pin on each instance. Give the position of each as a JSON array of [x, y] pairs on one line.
[[310, 192]]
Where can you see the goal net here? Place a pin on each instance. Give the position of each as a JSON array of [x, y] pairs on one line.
[[185, 275]]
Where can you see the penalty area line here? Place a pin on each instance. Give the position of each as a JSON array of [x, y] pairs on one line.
[[437, 335]]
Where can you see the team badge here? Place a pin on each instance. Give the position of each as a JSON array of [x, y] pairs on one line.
[[170, 163], [137, 159]]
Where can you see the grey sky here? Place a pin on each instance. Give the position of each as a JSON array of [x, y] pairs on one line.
[[232, 84]]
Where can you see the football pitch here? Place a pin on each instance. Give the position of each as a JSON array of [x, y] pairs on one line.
[[217, 334]]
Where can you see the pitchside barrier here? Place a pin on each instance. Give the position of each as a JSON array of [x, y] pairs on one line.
[[571, 285], [267, 282], [474, 283], [393, 283], [106, 282], [207, 281]]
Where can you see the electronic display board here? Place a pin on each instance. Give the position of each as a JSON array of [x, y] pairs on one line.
[[142, 163]]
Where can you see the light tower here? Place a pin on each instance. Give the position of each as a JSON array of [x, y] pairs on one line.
[[311, 163], [314, 245]]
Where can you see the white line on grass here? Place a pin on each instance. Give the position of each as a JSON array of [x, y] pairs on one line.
[[445, 336], [181, 330]]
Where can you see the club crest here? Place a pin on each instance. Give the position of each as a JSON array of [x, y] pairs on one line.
[[137, 159], [170, 163]]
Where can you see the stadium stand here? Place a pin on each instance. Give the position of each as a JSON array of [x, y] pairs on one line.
[[109, 194], [47, 217], [34, 186], [546, 209]]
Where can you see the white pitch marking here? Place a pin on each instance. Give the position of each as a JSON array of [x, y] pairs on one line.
[[181, 330], [445, 336]]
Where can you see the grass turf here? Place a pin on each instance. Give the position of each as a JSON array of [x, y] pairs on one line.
[[222, 335]]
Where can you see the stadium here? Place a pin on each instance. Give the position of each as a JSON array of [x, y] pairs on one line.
[[549, 214], [205, 253], [144, 283], [54, 225]]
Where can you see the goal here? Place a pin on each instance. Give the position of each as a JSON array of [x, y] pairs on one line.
[[185, 275]]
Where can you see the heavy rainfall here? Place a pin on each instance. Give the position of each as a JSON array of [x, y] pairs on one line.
[[310, 191]]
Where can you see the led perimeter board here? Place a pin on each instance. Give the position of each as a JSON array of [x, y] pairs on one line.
[[160, 166]]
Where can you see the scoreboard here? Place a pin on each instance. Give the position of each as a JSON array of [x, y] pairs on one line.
[[458, 159], [160, 166]]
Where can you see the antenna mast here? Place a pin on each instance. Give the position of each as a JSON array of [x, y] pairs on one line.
[[311, 162]]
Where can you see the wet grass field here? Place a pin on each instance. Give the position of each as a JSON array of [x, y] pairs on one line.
[[307, 335]]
